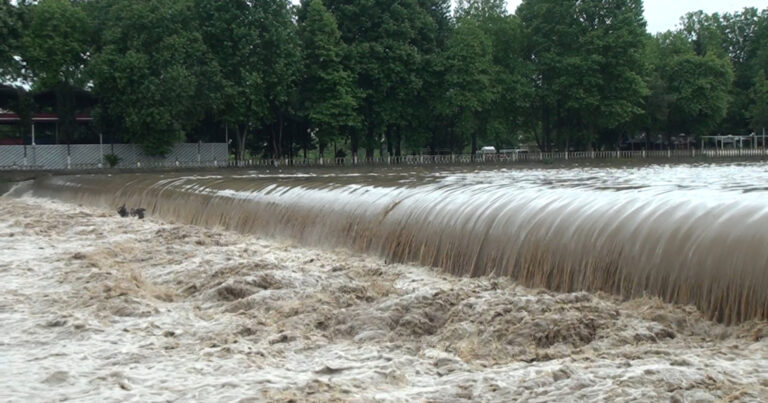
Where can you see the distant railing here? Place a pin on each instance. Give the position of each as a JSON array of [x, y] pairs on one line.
[[530, 157], [212, 155]]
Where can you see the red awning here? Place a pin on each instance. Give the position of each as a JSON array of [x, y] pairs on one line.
[[42, 117]]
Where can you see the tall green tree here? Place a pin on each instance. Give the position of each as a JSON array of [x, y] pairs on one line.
[[469, 78], [10, 31], [501, 122], [56, 43], [422, 123], [745, 36], [280, 59], [758, 113], [231, 31], [587, 60], [55, 48], [327, 89], [699, 87], [380, 37], [705, 32], [153, 74]]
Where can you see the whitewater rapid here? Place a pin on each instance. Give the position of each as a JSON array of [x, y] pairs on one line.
[[691, 234], [94, 307]]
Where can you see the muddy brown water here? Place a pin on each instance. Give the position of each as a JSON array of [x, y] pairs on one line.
[[691, 234]]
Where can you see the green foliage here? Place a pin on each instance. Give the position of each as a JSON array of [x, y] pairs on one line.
[[699, 89], [469, 77], [380, 36], [588, 66], [56, 43], [10, 31], [112, 160], [326, 86], [758, 113], [255, 45], [154, 75], [55, 48], [394, 76]]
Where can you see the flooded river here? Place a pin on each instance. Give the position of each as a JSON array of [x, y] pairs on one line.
[[346, 303]]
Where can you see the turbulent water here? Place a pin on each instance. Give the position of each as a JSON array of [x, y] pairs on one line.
[[687, 234], [98, 308], [625, 269]]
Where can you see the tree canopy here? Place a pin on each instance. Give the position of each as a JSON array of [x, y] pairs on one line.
[[388, 77]]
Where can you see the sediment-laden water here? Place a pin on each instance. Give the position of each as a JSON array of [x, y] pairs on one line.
[[94, 307], [686, 234]]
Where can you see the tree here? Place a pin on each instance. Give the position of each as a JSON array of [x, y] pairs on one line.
[[279, 57], [705, 32], [422, 122], [230, 31], [588, 69], [10, 31], [617, 38], [55, 48], [746, 44], [758, 113], [326, 86], [154, 75], [699, 88], [469, 77], [509, 108], [380, 37]]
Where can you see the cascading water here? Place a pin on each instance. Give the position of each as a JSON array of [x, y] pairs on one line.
[[690, 235]]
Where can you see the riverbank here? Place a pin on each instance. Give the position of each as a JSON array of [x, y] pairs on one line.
[[97, 307]]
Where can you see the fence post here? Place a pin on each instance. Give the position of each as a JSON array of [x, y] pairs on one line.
[[101, 151]]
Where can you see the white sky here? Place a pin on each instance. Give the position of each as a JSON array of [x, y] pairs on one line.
[[665, 14]]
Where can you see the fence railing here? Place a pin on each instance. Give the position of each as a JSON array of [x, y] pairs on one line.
[[93, 156], [211, 155], [530, 157]]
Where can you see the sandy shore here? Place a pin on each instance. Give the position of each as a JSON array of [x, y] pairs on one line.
[[95, 307]]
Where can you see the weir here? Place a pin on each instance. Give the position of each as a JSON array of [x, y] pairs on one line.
[[684, 242]]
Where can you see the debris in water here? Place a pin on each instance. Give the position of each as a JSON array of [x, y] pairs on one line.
[[122, 211]]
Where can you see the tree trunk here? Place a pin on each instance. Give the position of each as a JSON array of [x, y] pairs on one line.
[[398, 140], [370, 142], [354, 143], [241, 134]]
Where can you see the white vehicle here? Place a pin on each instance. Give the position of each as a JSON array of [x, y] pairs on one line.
[[487, 150]]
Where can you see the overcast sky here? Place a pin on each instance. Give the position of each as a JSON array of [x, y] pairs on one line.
[[665, 14]]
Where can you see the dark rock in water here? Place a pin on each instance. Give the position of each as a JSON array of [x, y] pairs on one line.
[[122, 211], [134, 212]]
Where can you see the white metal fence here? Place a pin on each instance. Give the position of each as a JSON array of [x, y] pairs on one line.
[[458, 159], [192, 155], [89, 156]]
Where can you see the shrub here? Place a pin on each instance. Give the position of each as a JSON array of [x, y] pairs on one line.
[[112, 160]]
